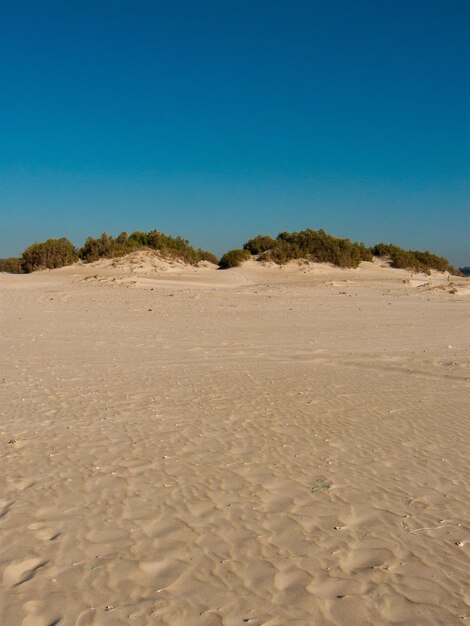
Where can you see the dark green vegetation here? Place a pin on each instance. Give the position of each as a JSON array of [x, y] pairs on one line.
[[413, 259], [12, 265], [465, 270], [55, 253], [234, 258], [319, 246], [109, 247], [316, 245], [312, 245], [48, 254], [259, 244]]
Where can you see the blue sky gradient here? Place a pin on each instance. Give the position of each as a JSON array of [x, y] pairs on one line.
[[219, 120]]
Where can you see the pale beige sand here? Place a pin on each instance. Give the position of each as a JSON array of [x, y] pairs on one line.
[[265, 446]]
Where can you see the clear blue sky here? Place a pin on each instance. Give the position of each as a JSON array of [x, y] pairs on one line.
[[219, 120]]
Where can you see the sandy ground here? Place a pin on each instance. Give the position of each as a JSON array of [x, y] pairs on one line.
[[193, 447]]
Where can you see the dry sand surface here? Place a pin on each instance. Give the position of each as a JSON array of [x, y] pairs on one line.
[[192, 447]]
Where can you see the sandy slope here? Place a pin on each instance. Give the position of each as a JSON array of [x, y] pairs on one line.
[[265, 446]]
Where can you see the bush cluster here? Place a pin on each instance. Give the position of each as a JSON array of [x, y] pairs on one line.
[[234, 258], [413, 259], [55, 253], [110, 247], [317, 245], [49, 254], [313, 245]]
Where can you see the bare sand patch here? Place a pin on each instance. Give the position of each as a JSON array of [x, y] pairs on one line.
[[262, 445]]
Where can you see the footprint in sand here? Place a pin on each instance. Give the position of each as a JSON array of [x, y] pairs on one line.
[[19, 572], [145, 609], [38, 614], [5, 506], [212, 619], [165, 572], [357, 560], [338, 588], [44, 532], [22, 483]]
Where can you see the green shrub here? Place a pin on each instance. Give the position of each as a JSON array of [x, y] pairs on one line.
[[12, 265], [432, 261], [175, 247], [313, 245], [205, 255], [105, 247], [234, 258], [364, 252], [465, 271], [413, 259], [259, 244], [49, 254], [281, 252]]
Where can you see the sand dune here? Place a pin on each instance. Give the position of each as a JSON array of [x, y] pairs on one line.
[[271, 446]]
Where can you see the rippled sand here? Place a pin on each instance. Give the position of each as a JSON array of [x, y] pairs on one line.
[[266, 446]]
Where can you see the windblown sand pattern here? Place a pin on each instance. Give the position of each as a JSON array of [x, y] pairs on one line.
[[267, 446]]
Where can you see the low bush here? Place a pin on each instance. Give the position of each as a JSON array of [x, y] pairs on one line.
[[465, 271], [413, 259], [259, 244], [234, 258], [205, 255], [313, 245], [109, 247], [12, 265], [49, 254], [105, 247]]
